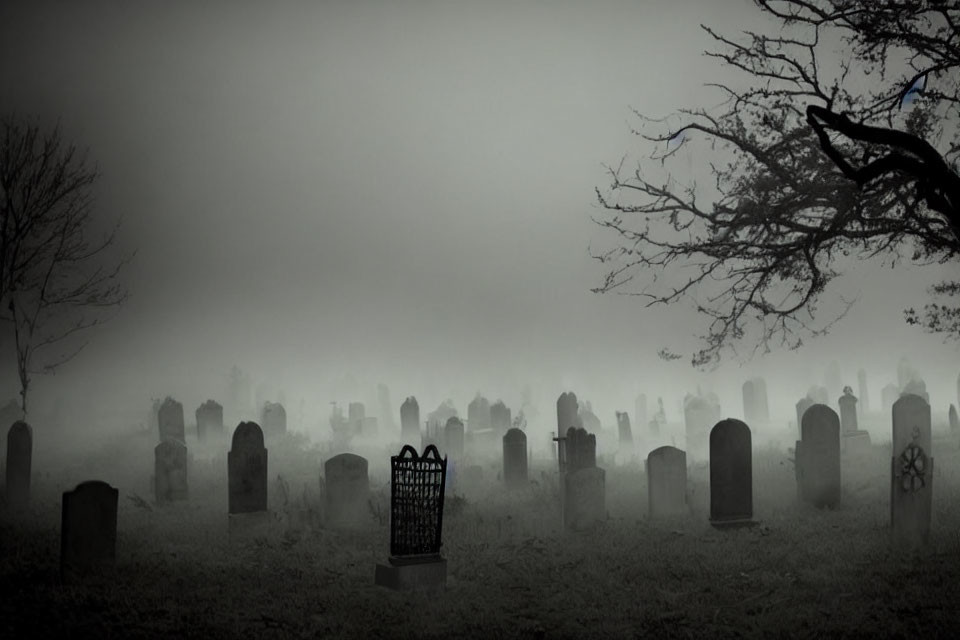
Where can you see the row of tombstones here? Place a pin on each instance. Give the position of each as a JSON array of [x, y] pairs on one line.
[[209, 415]]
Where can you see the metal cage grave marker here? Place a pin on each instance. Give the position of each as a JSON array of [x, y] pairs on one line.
[[416, 502]]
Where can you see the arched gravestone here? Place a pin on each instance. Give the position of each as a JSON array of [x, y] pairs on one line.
[[515, 458], [19, 463], [580, 448], [478, 414], [453, 438], [731, 474], [410, 421], [209, 420], [911, 473], [247, 470], [818, 457], [347, 487], [88, 529], [698, 415], [500, 417], [170, 420], [567, 412], [667, 482], [848, 411], [274, 418], [170, 471]]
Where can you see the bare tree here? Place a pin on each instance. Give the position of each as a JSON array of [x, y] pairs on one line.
[[57, 275], [839, 142]]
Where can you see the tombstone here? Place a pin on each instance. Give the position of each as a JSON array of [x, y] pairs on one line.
[[698, 415], [501, 418], [889, 395], [749, 401], [864, 398], [170, 471], [247, 470], [274, 418], [818, 457], [410, 420], [453, 438], [478, 414], [802, 405], [567, 412], [515, 458], [170, 421], [584, 498], [19, 463], [917, 387], [386, 409], [911, 473], [954, 421], [667, 483], [88, 529], [417, 487], [580, 449], [848, 411], [347, 486], [731, 474], [209, 420], [624, 432]]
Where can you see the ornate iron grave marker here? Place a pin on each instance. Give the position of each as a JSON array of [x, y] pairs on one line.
[[416, 521]]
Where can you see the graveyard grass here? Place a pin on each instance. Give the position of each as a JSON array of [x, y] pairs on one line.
[[512, 572]]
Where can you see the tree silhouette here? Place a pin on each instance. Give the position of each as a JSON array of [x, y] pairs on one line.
[[839, 142]]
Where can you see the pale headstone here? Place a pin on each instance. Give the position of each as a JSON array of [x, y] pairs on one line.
[[247, 470], [848, 411], [911, 482], [88, 529], [567, 412], [731, 474], [19, 464], [624, 432], [274, 418], [410, 421], [209, 420], [818, 457], [347, 491], [170, 471], [170, 420], [453, 438], [584, 498], [667, 482], [515, 458]]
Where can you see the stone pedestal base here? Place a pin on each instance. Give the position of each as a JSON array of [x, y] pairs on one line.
[[403, 575], [247, 526], [733, 524]]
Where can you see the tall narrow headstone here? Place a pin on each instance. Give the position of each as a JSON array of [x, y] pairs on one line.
[[731, 474], [624, 432], [247, 470], [667, 482], [19, 463], [515, 458], [88, 529], [356, 413], [347, 487], [848, 411], [911, 481], [818, 457], [209, 420], [170, 419], [453, 438], [410, 421], [567, 412], [580, 450]]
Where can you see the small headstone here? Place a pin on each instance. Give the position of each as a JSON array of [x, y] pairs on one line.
[[410, 421], [247, 470], [88, 529], [584, 498], [567, 412], [209, 420], [170, 471], [515, 458], [347, 490], [911, 468], [274, 418], [19, 464], [818, 457], [848, 411], [667, 482], [731, 474], [453, 438], [580, 450], [170, 420]]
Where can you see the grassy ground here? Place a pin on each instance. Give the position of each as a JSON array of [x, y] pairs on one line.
[[512, 571]]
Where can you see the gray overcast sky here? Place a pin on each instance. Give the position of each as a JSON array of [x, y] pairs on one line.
[[397, 190]]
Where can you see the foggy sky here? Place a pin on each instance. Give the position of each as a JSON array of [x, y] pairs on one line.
[[398, 191]]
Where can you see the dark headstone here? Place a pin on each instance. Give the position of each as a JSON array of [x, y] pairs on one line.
[[580, 450], [19, 463], [478, 414], [247, 470], [500, 417], [731, 473], [170, 421], [848, 411], [911, 481], [515, 458], [88, 529], [818, 457], [567, 412], [209, 420], [667, 482], [170, 471], [410, 421], [453, 438], [347, 490], [624, 432]]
